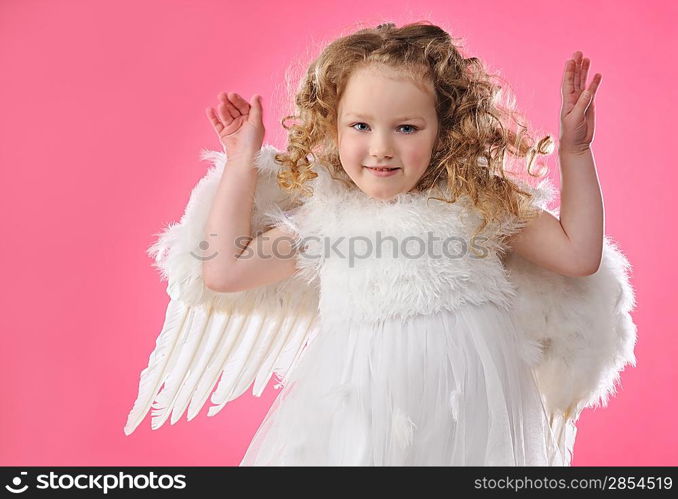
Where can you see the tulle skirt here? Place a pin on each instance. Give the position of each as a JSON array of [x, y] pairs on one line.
[[450, 389]]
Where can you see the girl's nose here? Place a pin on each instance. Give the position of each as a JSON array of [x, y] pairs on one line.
[[380, 147]]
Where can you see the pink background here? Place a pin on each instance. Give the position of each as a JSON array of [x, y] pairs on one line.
[[102, 124]]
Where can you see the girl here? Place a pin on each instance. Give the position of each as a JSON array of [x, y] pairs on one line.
[[454, 344]]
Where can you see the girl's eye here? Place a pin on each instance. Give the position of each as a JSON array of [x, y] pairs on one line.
[[414, 128]]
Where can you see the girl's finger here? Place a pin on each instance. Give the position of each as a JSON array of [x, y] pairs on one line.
[[228, 113], [214, 119], [568, 77], [224, 115], [584, 72], [593, 87], [241, 104], [228, 108], [595, 83], [577, 71]]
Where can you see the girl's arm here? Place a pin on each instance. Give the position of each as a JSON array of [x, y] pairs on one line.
[[573, 245], [235, 261]]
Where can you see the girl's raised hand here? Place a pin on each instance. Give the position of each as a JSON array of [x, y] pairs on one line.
[[238, 124], [577, 114]]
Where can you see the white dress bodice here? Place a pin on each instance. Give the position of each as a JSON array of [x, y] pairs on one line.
[[376, 260]]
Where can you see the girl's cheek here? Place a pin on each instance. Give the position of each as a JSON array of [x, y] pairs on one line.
[[421, 154]]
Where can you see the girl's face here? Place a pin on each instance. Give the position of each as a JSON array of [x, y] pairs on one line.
[[384, 119]]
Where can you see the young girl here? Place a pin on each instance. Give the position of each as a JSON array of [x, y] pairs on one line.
[[415, 293]]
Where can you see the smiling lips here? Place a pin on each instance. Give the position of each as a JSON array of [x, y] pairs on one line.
[[382, 171]]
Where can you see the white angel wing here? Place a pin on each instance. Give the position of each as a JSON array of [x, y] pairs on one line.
[[583, 330], [225, 340]]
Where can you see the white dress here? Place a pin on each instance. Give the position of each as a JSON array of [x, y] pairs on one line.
[[444, 389], [417, 361]]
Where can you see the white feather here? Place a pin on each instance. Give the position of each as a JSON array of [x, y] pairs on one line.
[[154, 375], [206, 349]]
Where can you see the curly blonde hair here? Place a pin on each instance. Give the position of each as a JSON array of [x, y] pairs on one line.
[[469, 156]]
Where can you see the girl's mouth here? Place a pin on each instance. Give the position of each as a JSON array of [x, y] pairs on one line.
[[382, 172]]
